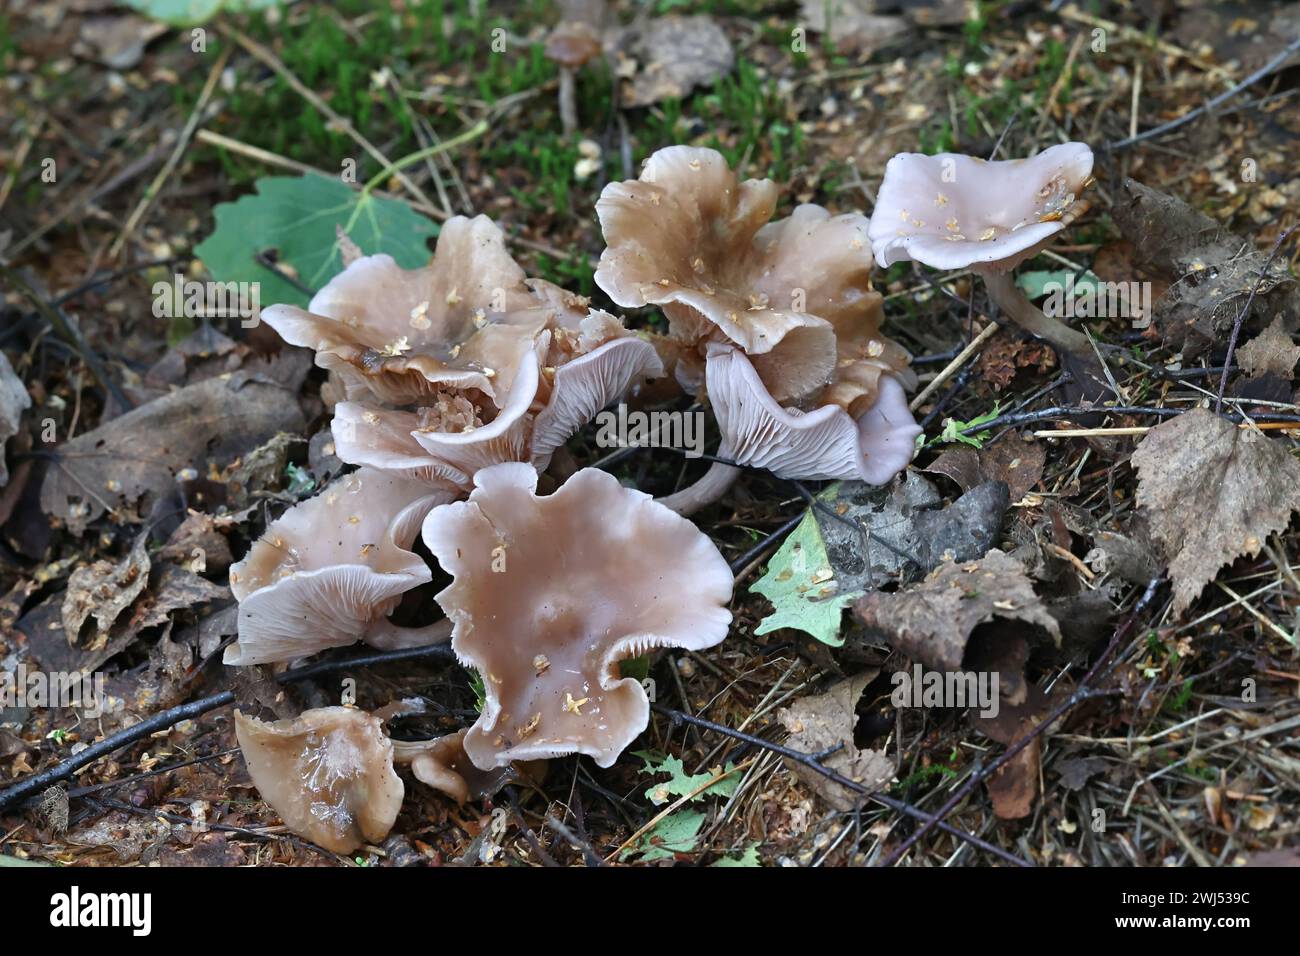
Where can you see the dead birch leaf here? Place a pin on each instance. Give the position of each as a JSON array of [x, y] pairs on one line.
[[823, 721], [104, 590], [1212, 492], [932, 621], [1272, 351]]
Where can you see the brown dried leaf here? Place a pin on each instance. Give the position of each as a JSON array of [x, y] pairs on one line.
[[672, 55], [104, 590], [1270, 352], [1017, 461], [1212, 492], [823, 721], [932, 621]]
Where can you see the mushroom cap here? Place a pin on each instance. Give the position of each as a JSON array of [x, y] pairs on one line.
[[550, 593], [951, 211], [400, 335], [328, 773], [573, 44], [330, 566], [689, 236], [826, 443], [587, 367]]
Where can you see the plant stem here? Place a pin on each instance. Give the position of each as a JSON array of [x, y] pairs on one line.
[[475, 131]]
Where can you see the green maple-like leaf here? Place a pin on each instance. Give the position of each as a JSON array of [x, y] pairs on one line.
[[675, 833], [801, 585], [298, 217], [183, 13], [681, 783], [749, 857]]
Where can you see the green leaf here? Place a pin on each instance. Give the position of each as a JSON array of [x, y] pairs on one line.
[[673, 834], [298, 217], [1035, 284], [680, 783], [801, 585], [952, 428], [749, 857], [183, 13]]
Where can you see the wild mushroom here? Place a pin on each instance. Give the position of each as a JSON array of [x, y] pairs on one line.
[[827, 442], [442, 763], [329, 570], [573, 43], [951, 211], [328, 773], [558, 384], [413, 336], [550, 593]]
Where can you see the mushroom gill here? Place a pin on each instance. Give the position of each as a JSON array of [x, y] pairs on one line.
[[550, 593]]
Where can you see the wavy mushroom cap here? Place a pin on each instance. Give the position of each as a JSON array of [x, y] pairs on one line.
[[951, 211], [691, 237], [328, 773], [402, 335], [558, 386], [330, 567], [550, 593], [825, 443]]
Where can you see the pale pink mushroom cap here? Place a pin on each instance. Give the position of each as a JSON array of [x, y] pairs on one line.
[[543, 405], [551, 593], [403, 335], [951, 211], [331, 568], [825, 443], [328, 773]]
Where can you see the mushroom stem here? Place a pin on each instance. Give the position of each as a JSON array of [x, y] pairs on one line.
[[1013, 302], [712, 485], [568, 108], [387, 636]]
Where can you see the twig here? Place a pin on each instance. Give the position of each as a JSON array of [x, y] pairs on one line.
[[1245, 310], [1208, 105], [1080, 693], [956, 363]]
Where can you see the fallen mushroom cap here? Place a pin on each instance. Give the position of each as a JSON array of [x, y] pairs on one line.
[[403, 335], [826, 443], [329, 569], [551, 593], [566, 376], [328, 773], [691, 237], [951, 211]]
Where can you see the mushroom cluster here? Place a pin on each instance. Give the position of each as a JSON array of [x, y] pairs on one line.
[[776, 320], [459, 381]]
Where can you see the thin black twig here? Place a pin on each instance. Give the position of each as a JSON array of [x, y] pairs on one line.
[[1241, 317]]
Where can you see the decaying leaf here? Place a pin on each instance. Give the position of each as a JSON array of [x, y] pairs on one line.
[[670, 56], [142, 452], [1213, 270], [13, 400], [104, 590], [1014, 786], [1012, 459], [1270, 352], [932, 621], [1212, 492], [825, 721], [853, 25]]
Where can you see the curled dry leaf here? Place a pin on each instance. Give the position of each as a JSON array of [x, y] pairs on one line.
[[1212, 492], [821, 722], [140, 453], [932, 621]]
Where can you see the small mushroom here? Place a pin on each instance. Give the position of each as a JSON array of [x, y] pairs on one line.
[[951, 211], [442, 763], [573, 43], [558, 384], [828, 442], [405, 336], [328, 773], [328, 571], [550, 593]]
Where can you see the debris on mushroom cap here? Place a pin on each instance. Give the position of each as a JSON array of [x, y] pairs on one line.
[[330, 568], [400, 335], [442, 763], [556, 385], [826, 443], [951, 211], [328, 773], [587, 577], [691, 237]]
